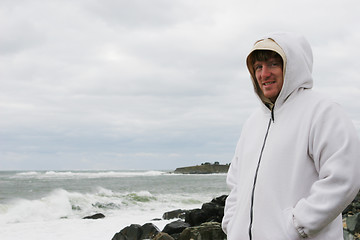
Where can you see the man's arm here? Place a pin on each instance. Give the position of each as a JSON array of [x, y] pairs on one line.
[[230, 205], [335, 148]]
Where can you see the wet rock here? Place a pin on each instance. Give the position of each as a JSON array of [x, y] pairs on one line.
[[210, 230], [179, 213], [132, 232], [196, 217], [214, 212], [353, 207], [210, 212], [95, 216], [137, 232], [149, 231], [175, 227], [348, 235], [351, 219], [163, 236], [353, 223]]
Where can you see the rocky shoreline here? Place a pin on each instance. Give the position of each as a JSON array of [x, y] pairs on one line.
[[204, 168], [196, 224], [205, 224]]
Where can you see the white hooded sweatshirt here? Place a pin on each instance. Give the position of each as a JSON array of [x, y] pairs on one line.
[[296, 167]]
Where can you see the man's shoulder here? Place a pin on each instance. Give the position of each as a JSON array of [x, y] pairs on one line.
[[320, 106], [315, 99]]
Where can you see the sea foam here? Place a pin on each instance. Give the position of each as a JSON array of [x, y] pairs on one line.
[[62, 204], [61, 212]]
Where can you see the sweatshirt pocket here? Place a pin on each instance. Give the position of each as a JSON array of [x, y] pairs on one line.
[[288, 225]]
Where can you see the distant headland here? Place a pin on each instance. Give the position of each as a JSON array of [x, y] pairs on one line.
[[204, 168]]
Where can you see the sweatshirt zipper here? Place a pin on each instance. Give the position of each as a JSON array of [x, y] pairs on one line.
[[255, 177]]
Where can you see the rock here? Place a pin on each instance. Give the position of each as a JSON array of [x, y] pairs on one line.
[[211, 208], [214, 211], [348, 236], [220, 200], [210, 212], [95, 216], [132, 232], [163, 236], [149, 231], [174, 214], [175, 235], [351, 219], [137, 232], [211, 230], [353, 207], [353, 223], [119, 236], [175, 227], [196, 217]]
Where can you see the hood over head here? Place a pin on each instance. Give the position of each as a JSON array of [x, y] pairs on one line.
[[297, 58]]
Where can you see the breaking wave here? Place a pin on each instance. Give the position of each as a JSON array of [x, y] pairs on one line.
[[62, 204]]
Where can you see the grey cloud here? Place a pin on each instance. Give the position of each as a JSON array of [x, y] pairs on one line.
[[139, 14], [138, 84]]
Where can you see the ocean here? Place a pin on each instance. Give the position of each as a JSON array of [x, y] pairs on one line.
[[39, 205]]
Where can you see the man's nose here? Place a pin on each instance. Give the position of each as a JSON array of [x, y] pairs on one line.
[[266, 72]]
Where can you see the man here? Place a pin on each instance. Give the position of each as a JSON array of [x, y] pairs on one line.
[[296, 164]]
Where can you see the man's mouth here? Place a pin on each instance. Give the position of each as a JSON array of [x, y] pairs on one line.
[[268, 83]]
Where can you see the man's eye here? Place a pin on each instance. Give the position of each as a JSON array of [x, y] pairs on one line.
[[257, 67]]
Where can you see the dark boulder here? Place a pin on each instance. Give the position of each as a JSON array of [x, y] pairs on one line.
[[210, 212], [353, 223], [348, 236], [163, 236], [179, 213], [351, 219], [353, 207], [95, 216], [137, 232], [220, 200], [132, 232], [214, 211], [196, 217], [149, 231], [119, 236], [175, 227], [211, 231]]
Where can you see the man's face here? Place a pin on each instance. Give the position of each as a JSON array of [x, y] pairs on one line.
[[269, 76]]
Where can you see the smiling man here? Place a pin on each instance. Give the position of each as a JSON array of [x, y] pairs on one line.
[[296, 164], [268, 70]]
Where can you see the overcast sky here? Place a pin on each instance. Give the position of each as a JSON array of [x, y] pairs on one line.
[[151, 84]]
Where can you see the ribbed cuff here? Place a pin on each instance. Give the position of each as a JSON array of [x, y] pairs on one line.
[[299, 229]]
